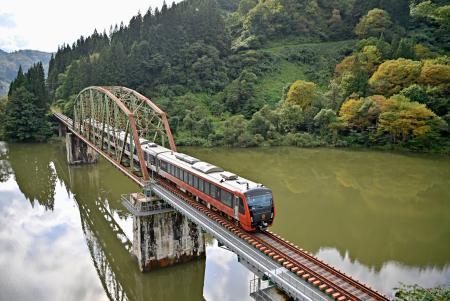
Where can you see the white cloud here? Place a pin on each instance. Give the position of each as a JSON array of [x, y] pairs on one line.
[[391, 274], [43, 25], [32, 241]]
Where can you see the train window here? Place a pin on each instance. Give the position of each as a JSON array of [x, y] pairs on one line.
[[218, 193], [170, 168], [226, 198], [206, 188], [212, 190], [177, 172], [190, 182], [185, 176], [163, 165], [145, 156], [241, 206], [195, 182], [152, 159], [200, 184]]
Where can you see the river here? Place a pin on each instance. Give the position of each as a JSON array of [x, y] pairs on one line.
[[382, 217]]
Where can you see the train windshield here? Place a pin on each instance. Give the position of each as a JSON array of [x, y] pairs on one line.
[[260, 199]]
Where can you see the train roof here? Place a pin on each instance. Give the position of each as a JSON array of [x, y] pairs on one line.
[[210, 172], [202, 169]]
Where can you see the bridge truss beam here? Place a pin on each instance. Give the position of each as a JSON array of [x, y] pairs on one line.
[[105, 114]]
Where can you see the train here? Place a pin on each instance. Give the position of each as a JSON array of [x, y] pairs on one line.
[[248, 204]]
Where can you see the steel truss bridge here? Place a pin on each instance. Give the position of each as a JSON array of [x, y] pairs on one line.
[[293, 270]]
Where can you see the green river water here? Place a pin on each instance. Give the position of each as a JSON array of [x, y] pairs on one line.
[[384, 218]]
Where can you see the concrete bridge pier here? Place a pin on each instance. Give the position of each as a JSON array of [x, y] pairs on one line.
[[78, 152], [62, 130], [162, 236]]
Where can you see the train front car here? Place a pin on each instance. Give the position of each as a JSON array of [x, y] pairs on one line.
[[261, 207]]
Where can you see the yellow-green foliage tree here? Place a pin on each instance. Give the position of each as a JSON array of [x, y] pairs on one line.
[[435, 74], [371, 58], [402, 119], [394, 75], [360, 113], [375, 23], [301, 93]]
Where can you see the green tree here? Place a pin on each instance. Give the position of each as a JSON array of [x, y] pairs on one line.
[[25, 112], [259, 125], [403, 120], [405, 49], [3, 101], [301, 93], [235, 131], [374, 24], [394, 75], [239, 95], [323, 119], [246, 5]]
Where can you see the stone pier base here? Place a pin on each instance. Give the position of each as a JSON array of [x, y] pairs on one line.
[[79, 152], [165, 239], [62, 130]]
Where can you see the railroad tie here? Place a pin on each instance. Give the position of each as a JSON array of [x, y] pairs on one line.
[[335, 295], [329, 291], [267, 251], [294, 269], [312, 279], [316, 283], [276, 257], [301, 272], [281, 260], [306, 276], [322, 287], [341, 298]]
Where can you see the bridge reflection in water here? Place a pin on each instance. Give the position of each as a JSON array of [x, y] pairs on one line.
[[110, 248], [94, 196]]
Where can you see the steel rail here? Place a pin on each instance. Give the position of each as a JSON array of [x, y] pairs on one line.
[[367, 290]]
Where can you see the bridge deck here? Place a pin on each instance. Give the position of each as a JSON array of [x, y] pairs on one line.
[[293, 270]]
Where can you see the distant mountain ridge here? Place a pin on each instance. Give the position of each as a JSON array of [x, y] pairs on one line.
[[10, 63]]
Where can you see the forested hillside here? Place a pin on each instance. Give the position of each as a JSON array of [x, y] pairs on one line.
[[279, 72], [10, 63]]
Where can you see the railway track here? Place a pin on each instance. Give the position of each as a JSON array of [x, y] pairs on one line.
[[336, 284]]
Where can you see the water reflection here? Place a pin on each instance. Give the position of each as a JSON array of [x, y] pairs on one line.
[[381, 217], [75, 251], [34, 173], [390, 274], [5, 166], [44, 252]]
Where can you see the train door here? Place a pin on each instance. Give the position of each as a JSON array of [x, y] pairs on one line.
[[236, 207]]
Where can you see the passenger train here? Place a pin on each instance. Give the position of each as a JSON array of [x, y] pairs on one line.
[[247, 203]]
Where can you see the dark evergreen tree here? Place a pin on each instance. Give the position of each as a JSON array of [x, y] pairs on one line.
[[26, 110]]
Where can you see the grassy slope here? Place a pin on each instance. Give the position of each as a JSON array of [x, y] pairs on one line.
[[325, 57]]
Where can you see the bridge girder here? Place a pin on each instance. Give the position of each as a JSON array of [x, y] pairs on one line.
[[102, 113]]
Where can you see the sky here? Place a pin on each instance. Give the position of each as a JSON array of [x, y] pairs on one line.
[[45, 24]]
